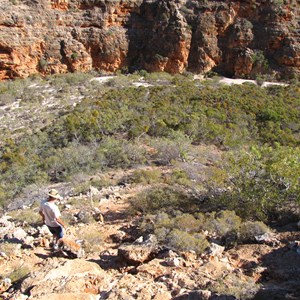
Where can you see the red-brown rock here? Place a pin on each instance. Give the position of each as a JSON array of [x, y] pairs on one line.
[[59, 36]]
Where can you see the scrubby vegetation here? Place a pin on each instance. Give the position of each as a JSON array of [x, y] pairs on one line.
[[226, 147], [191, 231]]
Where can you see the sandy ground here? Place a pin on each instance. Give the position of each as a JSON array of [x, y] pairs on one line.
[[230, 81]]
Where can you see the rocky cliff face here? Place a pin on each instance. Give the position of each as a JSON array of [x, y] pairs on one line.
[[236, 38]]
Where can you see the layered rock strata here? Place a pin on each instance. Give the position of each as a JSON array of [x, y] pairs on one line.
[[236, 38]]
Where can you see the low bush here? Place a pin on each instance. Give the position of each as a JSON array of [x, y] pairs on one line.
[[93, 240], [26, 217], [179, 232], [110, 125], [179, 177], [222, 223], [120, 153], [161, 198], [146, 176], [182, 231], [158, 77], [19, 274], [187, 223], [184, 241], [261, 181], [235, 286], [172, 148], [81, 187], [9, 249], [249, 230]]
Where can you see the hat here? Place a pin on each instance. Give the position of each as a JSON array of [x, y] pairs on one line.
[[54, 194]]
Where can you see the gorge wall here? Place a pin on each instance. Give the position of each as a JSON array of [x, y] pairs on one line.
[[235, 38]]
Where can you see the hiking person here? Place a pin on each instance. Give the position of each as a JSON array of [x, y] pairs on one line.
[[51, 216]]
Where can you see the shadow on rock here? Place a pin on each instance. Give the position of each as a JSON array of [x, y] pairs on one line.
[[281, 278], [203, 295], [115, 216], [109, 261], [42, 255]]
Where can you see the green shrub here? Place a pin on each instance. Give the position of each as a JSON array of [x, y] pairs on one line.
[[9, 249], [181, 230], [43, 64], [27, 217], [183, 222], [93, 240], [167, 151], [172, 148], [112, 125], [146, 176], [74, 56], [119, 81], [158, 77], [177, 232], [179, 177], [249, 230], [19, 273], [120, 153], [223, 223], [187, 223], [262, 181], [81, 187], [235, 285], [160, 198], [184, 241], [161, 233]]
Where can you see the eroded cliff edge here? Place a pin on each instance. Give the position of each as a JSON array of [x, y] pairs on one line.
[[236, 38]]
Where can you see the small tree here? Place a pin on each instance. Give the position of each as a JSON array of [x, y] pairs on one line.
[[262, 181]]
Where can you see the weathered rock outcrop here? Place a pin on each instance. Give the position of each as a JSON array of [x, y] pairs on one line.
[[238, 38], [65, 276], [139, 251]]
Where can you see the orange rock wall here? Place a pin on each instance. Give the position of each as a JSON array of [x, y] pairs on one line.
[[235, 38]]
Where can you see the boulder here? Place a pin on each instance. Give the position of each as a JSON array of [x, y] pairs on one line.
[[68, 296], [43, 242], [162, 296], [216, 250], [28, 241], [173, 261], [189, 256], [203, 295], [44, 231], [154, 269], [5, 226], [60, 278], [267, 238], [136, 287], [5, 284], [16, 296], [184, 281], [98, 217], [4, 221], [138, 252], [19, 234], [118, 237]]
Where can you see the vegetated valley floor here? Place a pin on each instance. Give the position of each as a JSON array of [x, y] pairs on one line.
[[243, 270]]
